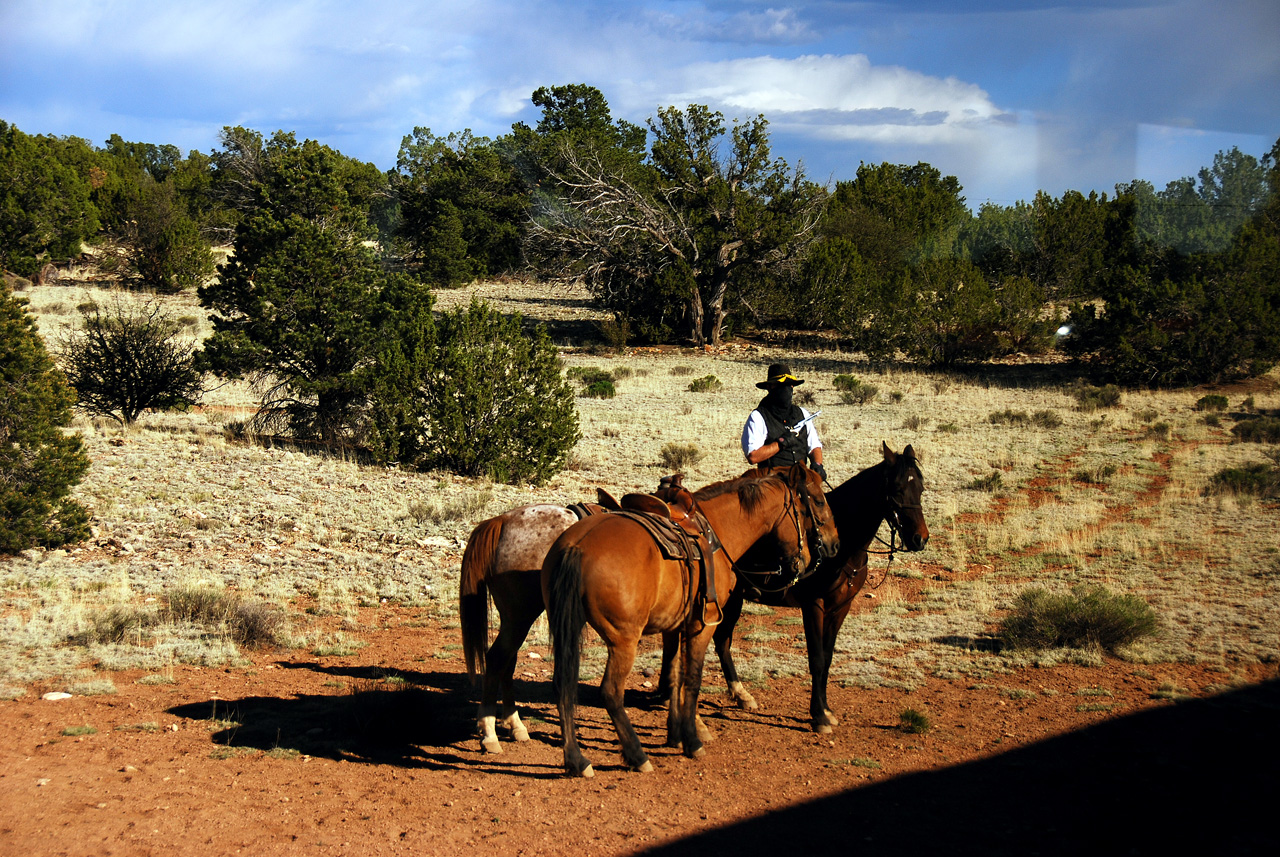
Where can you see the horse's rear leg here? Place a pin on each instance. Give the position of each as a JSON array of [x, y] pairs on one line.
[[622, 656], [500, 667]]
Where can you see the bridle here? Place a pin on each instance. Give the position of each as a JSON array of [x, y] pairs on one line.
[[892, 517], [817, 545]]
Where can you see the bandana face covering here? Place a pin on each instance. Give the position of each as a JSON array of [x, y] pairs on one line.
[[778, 402]]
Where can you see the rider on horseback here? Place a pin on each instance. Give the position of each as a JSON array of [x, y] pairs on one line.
[[770, 438]]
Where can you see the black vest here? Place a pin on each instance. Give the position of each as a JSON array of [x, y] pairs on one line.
[[775, 429]]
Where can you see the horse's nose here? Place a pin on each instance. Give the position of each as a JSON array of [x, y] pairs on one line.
[[831, 549], [918, 541]]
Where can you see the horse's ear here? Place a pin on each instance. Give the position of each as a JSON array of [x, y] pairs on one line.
[[606, 499], [889, 455], [910, 452]]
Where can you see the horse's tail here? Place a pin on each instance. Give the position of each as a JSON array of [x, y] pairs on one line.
[[566, 618], [478, 564]]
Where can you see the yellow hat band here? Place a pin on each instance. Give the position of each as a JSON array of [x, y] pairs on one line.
[[778, 379]]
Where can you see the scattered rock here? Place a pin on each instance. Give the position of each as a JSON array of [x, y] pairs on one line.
[[54, 696]]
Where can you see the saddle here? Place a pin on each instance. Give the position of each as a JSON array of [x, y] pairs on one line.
[[672, 518]]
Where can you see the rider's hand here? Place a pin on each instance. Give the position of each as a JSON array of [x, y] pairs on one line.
[[820, 470], [788, 443]]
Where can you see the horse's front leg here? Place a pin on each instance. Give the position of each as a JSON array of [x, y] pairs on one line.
[[819, 662], [724, 652]]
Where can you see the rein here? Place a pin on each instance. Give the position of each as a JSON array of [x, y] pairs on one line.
[[792, 508], [895, 534]]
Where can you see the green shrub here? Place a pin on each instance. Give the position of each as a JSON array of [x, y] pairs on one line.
[[680, 371], [589, 375], [39, 462], [168, 253], [1089, 398], [705, 384], [1087, 617], [129, 359], [1159, 431], [1258, 430], [496, 403], [602, 389], [854, 391], [1211, 402], [1259, 480], [678, 456]]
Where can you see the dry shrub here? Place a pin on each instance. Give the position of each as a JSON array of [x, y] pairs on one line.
[[679, 456]]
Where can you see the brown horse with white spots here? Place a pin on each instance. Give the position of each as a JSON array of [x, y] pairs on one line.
[[503, 560], [607, 571]]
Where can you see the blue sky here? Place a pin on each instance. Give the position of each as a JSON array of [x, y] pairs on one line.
[[1010, 96]]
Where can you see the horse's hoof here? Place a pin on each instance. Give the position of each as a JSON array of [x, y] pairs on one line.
[[831, 718], [697, 754], [704, 734], [519, 733], [742, 697], [587, 773], [822, 728], [491, 746], [646, 768]]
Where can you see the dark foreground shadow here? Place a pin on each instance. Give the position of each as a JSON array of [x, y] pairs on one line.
[[1200, 777]]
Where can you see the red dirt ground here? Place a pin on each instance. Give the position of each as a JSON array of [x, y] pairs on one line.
[[329, 759]]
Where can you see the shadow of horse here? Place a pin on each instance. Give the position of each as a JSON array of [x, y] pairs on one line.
[[1195, 777], [399, 718]]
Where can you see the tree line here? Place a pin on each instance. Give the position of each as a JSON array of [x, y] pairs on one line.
[[691, 229]]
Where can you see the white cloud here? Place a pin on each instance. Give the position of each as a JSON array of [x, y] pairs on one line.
[[844, 98]]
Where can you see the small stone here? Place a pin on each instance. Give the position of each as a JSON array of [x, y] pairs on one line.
[[534, 656], [56, 695]]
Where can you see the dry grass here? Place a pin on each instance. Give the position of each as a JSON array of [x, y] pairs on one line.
[[323, 542]]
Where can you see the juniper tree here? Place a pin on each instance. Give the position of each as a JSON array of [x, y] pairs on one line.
[[496, 403], [39, 462]]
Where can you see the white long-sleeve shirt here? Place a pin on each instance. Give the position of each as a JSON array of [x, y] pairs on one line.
[[755, 434]]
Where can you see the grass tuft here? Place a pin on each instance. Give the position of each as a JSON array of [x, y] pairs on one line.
[[914, 722]]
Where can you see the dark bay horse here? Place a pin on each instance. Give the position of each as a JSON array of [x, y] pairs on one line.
[[607, 571], [889, 491]]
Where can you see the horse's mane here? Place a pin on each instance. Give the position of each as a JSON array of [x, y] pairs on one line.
[[750, 490]]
